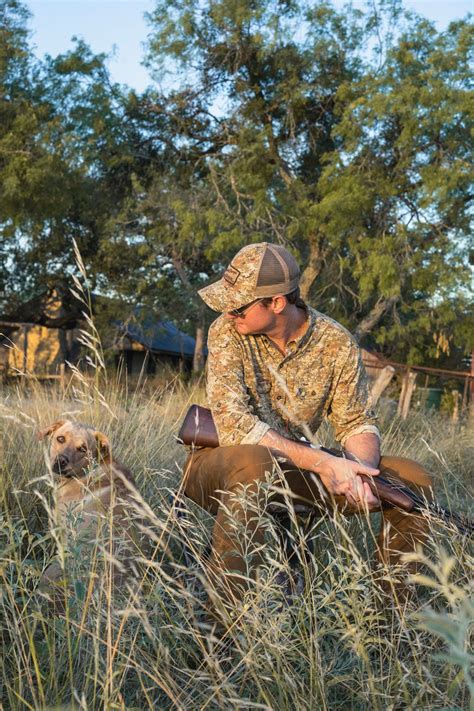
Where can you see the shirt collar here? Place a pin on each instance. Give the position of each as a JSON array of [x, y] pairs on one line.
[[297, 343]]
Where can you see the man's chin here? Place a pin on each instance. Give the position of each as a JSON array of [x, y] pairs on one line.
[[241, 328]]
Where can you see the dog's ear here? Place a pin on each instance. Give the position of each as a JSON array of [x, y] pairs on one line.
[[52, 428], [103, 446]]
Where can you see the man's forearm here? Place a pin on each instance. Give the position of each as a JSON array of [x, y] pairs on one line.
[[302, 456], [339, 475], [364, 447]]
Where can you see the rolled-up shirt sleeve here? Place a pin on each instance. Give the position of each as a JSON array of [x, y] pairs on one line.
[[350, 412], [226, 391]]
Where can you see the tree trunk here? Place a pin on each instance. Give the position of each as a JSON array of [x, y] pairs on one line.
[[62, 378], [374, 316], [313, 268], [198, 358]]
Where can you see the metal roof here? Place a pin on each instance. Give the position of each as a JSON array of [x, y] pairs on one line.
[[160, 337]]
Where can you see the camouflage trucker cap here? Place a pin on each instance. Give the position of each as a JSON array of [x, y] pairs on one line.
[[258, 270]]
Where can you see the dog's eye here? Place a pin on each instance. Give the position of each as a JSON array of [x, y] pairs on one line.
[[82, 449], [60, 439]]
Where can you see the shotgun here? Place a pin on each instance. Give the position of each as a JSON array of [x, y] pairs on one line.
[[198, 430]]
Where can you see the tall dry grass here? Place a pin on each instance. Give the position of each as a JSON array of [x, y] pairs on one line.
[[339, 645]]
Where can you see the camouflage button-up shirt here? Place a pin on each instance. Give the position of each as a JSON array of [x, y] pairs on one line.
[[252, 387]]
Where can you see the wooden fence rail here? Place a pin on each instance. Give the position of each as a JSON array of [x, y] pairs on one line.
[[389, 367]]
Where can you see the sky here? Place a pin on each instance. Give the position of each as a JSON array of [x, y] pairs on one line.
[[119, 26]]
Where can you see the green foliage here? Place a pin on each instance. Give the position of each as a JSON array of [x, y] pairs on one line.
[[64, 160], [358, 158], [343, 134]]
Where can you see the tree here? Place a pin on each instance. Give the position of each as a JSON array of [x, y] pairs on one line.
[[64, 160], [17, 121], [405, 133], [355, 160], [341, 134], [78, 164]]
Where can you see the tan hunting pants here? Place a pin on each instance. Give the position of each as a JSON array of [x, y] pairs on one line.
[[219, 479]]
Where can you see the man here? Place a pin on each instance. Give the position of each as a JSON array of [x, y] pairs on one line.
[[276, 368]]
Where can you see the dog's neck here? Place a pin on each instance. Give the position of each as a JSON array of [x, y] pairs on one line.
[[74, 487]]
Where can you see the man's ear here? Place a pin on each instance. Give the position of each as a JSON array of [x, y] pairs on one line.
[[49, 430], [103, 446], [279, 303]]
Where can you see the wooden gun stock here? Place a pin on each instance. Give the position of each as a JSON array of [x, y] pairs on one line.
[[198, 430]]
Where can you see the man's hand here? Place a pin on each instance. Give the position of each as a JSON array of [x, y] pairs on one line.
[[340, 477]]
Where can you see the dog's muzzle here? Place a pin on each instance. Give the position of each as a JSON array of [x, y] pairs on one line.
[[61, 466]]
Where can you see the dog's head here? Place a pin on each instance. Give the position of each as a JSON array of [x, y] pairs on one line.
[[75, 447]]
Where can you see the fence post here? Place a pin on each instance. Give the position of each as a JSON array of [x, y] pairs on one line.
[[471, 391], [383, 379], [25, 349], [465, 397], [402, 393], [456, 401], [408, 387]]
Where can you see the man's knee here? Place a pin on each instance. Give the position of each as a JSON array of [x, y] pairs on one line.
[[224, 469], [253, 464], [408, 470]]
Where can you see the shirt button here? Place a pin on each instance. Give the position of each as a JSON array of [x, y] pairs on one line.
[[278, 397]]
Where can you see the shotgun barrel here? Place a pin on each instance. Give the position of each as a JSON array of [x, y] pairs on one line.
[[199, 430]]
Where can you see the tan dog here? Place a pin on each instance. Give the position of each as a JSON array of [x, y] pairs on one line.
[[97, 503]]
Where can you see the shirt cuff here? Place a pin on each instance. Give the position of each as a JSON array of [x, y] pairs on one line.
[[360, 430], [258, 431]]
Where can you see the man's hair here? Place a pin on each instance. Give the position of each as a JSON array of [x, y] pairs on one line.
[[294, 298]]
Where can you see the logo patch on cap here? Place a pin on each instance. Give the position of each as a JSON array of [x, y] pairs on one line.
[[231, 275]]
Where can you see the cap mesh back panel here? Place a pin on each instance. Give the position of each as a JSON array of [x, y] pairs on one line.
[[271, 271], [291, 267]]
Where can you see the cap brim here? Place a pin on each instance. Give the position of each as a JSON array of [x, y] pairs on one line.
[[219, 297]]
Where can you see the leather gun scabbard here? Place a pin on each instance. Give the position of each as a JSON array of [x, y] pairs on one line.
[[198, 428]]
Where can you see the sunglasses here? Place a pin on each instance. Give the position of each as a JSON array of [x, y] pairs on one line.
[[242, 310]]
